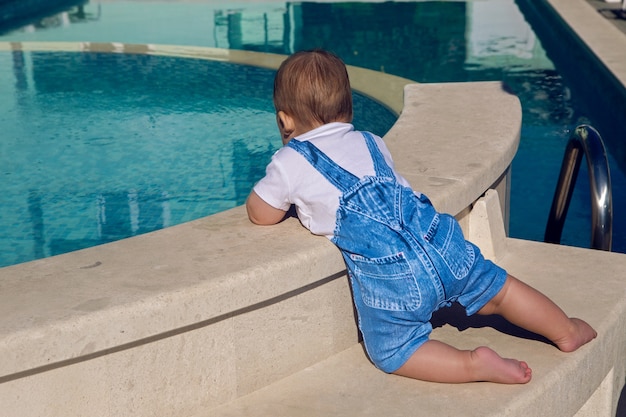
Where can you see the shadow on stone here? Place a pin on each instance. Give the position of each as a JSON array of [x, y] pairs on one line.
[[455, 316], [621, 404]]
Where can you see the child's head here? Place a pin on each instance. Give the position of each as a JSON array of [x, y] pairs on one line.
[[312, 88]]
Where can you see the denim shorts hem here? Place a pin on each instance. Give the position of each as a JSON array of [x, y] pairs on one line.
[[402, 355], [494, 288]]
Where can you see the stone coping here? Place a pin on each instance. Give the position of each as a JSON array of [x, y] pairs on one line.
[[606, 41], [85, 304]]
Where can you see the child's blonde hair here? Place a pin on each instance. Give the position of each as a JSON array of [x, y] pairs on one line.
[[313, 88]]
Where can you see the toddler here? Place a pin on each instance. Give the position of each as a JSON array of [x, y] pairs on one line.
[[404, 259]]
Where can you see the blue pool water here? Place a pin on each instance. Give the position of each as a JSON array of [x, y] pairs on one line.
[[99, 147], [423, 41]]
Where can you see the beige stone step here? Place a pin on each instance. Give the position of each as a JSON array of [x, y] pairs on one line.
[[586, 283]]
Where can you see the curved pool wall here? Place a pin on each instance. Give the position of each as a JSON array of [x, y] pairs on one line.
[[221, 317]]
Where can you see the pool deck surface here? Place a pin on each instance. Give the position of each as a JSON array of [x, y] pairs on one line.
[[611, 12], [598, 26]]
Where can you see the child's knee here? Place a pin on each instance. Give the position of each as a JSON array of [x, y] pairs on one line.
[[492, 306]]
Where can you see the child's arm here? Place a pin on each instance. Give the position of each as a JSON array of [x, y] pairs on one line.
[[259, 212]]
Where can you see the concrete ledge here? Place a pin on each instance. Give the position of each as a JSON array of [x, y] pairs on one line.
[[584, 383], [603, 38], [454, 141]]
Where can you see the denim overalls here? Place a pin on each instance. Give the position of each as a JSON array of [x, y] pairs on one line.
[[404, 259]]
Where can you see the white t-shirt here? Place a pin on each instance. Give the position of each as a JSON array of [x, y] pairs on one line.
[[291, 179]]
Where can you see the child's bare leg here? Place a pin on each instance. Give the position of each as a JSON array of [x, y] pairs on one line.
[[437, 362], [528, 308]]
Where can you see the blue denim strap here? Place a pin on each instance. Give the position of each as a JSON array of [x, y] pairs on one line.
[[338, 176], [380, 165]]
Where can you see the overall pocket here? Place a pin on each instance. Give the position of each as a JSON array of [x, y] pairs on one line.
[[386, 283], [446, 238]]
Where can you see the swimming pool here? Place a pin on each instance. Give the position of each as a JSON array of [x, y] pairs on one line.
[[127, 144], [423, 41]]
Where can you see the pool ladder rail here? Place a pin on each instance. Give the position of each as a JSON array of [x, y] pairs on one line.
[[584, 139]]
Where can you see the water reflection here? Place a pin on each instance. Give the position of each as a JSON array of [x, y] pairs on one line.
[[422, 41]]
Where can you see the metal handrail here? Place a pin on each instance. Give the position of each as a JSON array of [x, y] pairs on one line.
[[584, 139]]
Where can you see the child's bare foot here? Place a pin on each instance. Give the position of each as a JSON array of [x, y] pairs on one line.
[[494, 368], [577, 335]]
